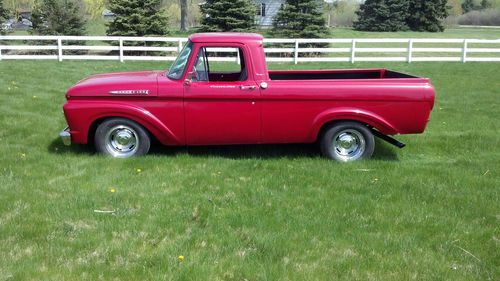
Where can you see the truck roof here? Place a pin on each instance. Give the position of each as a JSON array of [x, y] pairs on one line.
[[226, 37]]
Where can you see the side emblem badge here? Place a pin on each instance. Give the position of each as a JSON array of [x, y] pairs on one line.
[[130, 92]]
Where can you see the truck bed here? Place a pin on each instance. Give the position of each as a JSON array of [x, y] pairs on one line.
[[336, 74]]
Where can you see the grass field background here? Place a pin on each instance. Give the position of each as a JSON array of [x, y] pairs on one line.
[[280, 212]]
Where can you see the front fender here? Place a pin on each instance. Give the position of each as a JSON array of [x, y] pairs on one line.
[[82, 114], [352, 114]]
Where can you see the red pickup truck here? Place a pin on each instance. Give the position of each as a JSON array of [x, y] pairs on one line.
[[219, 91]]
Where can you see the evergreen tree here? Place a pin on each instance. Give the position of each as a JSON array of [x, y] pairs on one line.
[[300, 19], [382, 15], [228, 15], [485, 4], [4, 15], [469, 5], [427, 15], [58, 17], [137, 18]]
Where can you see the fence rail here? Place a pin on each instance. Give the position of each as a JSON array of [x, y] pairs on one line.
[[277, 50]]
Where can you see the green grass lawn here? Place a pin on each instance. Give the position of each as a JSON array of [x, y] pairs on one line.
[[427, 212]]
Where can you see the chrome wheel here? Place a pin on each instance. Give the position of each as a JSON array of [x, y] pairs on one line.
[[348, 145], [122, 141]]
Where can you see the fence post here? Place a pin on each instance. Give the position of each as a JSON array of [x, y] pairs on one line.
[[179, 47], [59, 49], [464, 51], [410, 50], [296, 52], [121, 49], [353, 50]]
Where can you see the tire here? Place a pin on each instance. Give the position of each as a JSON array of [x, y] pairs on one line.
[[347, 141], [121, 138]]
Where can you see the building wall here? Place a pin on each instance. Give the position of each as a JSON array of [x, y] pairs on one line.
[[272, 8]]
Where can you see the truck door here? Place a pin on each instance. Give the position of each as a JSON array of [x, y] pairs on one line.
[[220, 97]]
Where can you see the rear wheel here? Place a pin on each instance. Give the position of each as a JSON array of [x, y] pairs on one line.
[[121, 138], [347, 141]]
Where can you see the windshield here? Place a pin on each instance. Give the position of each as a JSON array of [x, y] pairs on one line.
[[177, 69]]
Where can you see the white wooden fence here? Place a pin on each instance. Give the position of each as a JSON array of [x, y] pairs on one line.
[[277, 50]]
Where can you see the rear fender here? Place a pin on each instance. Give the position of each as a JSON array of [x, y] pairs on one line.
[[352, 114]]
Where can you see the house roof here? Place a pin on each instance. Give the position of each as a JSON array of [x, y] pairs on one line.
[[225, 37]]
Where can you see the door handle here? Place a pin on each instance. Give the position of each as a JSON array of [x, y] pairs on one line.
[[243, 88]]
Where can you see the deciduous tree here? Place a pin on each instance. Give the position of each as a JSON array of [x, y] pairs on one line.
[[94, 8], [14, 5], [455, 7], [184, 15]]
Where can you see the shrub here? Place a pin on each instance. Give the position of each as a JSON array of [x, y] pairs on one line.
[[489, 17]]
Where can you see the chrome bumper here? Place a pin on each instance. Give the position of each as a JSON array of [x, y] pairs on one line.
[[65, 136]]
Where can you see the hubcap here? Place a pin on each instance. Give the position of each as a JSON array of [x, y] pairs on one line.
[[122, 141], [349, 145]]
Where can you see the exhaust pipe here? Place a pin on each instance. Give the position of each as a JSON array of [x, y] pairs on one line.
[[388, 139]]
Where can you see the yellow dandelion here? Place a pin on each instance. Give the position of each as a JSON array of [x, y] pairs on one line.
[[181, 258], [139, 170], [112, 190]]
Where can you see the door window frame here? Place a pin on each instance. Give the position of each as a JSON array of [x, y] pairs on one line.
[[246, 56]]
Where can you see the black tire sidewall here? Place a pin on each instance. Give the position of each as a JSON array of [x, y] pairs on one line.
[[104, 127], [327, 138]]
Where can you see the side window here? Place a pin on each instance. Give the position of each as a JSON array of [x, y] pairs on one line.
[[220, 64], [200, 68]]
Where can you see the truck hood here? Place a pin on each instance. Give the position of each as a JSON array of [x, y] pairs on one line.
[[139, 83]]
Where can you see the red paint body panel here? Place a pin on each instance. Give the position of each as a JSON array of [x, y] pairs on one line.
[[286, 111]]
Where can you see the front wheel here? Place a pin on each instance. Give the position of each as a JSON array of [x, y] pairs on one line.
[[347, 141], [121, 138]]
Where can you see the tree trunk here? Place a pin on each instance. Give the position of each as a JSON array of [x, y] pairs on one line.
[[184, 15]]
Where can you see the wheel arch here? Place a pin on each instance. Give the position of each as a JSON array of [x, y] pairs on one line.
[[153, 127], [330, 118]]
